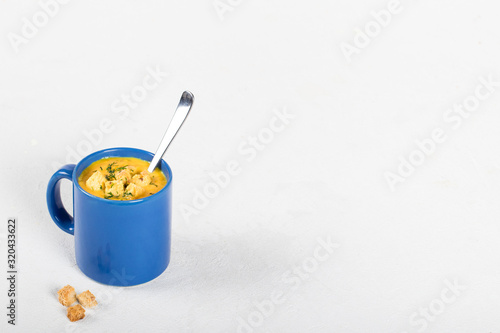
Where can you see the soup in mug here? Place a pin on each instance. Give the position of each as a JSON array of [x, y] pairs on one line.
[[121, 178]]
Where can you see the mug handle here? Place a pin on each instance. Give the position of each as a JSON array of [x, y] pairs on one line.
[[57, 211]]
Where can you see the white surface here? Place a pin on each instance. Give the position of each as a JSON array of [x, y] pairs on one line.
[[322, 176]]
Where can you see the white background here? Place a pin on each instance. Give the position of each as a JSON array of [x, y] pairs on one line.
[[321, 177]]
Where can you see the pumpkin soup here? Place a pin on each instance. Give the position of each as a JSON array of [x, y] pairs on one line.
[[121, 178]]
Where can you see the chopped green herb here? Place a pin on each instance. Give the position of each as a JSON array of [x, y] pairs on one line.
[[100, 167], [111, 171], [110, 166], [126, 194], [153, 184], [110, 195], [100, 187]]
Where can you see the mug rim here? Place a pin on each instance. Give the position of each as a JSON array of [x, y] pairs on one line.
[[119, 202]]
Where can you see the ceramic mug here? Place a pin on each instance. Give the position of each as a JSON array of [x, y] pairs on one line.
[[120, 243]]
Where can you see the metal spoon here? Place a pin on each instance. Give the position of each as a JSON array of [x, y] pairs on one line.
[[180, 115]]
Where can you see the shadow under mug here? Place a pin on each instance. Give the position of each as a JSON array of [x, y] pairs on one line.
[[119, 243]]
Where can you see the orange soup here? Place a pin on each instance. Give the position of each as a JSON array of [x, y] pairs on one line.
[[121, 178]]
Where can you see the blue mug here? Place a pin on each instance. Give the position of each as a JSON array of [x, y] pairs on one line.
[[119, 243]]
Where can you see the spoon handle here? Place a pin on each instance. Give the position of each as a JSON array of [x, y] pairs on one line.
[[181, 113]]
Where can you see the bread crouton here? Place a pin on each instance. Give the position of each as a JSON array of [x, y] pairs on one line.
[[114, 188], [142, 179], [124, 176], [95, 181], [76, 312], [87, 299], [132, 169], [67, 295], [134, 190]]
